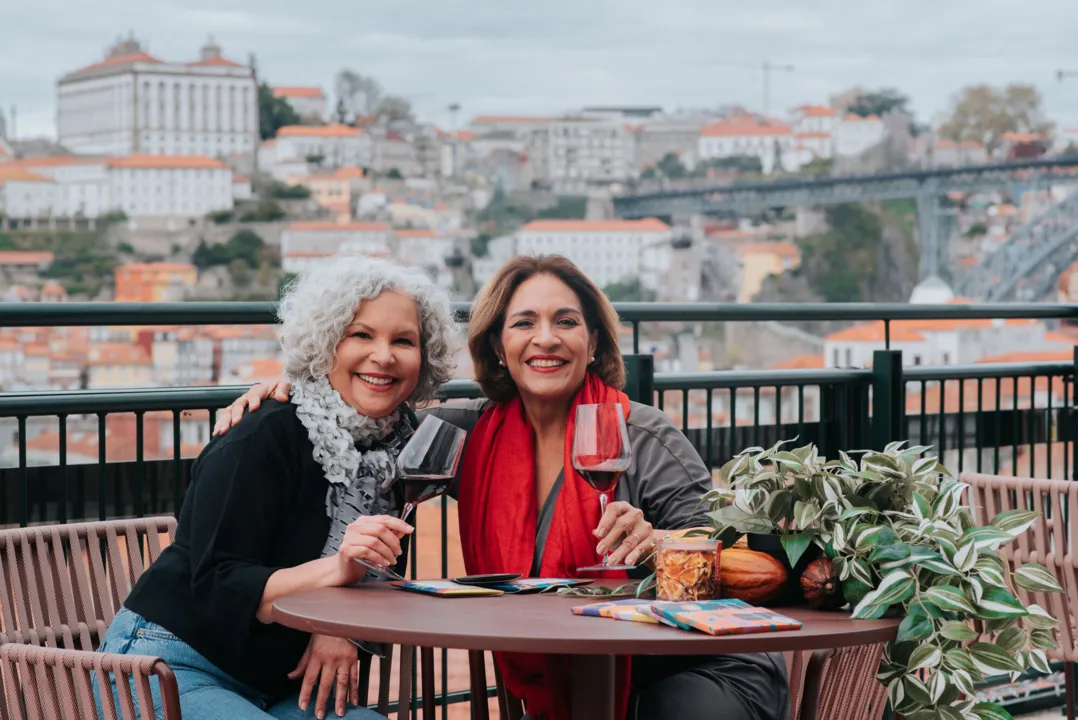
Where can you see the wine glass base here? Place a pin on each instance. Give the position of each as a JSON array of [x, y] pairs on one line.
[[385, 572], [601, 568]]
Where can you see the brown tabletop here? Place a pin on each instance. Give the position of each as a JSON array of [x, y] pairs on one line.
[[545, 624]]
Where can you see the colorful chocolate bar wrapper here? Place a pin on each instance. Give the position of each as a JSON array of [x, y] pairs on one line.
[[723, 617], [445, 588]]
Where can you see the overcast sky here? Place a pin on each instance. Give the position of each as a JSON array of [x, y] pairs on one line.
[[514, 57]]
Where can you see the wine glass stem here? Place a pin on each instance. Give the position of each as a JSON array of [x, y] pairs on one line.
[[602, 513], [408, 508]]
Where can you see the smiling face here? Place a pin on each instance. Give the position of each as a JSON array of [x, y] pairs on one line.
[[379, 358], [545, 343]]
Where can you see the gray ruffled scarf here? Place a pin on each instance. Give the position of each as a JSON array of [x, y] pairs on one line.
[[357, 453]]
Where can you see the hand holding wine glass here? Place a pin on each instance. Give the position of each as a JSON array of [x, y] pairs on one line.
[[601, 454], [428, 464]]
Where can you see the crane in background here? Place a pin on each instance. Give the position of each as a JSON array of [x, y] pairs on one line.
[[766, 68]]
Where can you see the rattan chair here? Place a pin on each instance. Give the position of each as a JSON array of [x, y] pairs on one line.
[[1051, 541], [61, 587]]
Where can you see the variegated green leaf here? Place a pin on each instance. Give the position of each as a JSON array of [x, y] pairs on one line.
[[937, 684], [1036, 578], [998, 603], [985, 538], [991, 711], [940, 567], [950, 599], [959, 659], [1042, 639], [958, 631], [1012, 639], [989, 571], [1039, 661], [1014, 522], [965, 557], [916, 690], [991, 659], [924, 656], [945, 712], [1039, 618], [963, 681]]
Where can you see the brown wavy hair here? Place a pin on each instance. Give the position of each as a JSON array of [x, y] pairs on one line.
[[488, 319]]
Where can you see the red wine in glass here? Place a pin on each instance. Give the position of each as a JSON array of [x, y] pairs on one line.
[[601, 454], [428, 464]]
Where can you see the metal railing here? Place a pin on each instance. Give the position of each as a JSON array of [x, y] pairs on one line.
[[1009, 418]]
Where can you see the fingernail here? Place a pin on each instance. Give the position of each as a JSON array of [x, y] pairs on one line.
[[597, 532], [303, 706], [410, 528], [599, 548]]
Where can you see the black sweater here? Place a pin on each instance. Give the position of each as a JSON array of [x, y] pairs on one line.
[[256, 504]]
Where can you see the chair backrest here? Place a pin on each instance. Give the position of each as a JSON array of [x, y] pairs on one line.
[[848, 688], [1051, 541], [62, 584], [42, 683]]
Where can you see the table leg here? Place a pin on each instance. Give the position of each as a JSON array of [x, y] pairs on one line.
[[593, 687]]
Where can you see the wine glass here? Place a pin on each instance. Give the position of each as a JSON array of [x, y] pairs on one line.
[[428, 464], [601, 454]]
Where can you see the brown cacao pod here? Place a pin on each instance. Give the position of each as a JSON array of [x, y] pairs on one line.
[[755, 577], [820, 586]]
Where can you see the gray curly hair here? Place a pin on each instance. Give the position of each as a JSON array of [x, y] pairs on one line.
[[319, 304]]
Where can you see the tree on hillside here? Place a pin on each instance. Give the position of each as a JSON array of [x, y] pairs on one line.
[[983, 113], [357, 94], [879, 103], [671, 167], [273, 113], [392, 108], [840, 264]]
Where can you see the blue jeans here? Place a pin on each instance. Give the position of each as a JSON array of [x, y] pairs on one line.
[[206, 692]]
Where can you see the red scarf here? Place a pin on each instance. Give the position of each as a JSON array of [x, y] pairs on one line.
[[498, 516]]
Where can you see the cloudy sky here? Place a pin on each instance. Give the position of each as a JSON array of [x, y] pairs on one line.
[[513, 57]]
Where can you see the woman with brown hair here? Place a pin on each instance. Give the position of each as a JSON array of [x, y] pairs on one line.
[[543, 339]]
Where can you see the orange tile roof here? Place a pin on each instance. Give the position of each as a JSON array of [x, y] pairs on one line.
[[58, 161], [15, 173], [297, 91], [260, 369], [645, 225], [800, 362], [874, 332], [465, 136], [25, 257], [769, 247], [240, 179], [816, 111], [216, 61], [168, 162], [119, 60], [496, 119], [746, 125], [987, 400], [1029, 356], [332, 226], [1058, 337], [349, 173], [850, 117], [419, 233], [53, 288], [1018, 137], [336, 130], [307, 254], [37, 349], [812, 135], [118, 354], [156, 267]]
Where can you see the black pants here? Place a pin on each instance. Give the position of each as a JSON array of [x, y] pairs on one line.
[[724, 687]]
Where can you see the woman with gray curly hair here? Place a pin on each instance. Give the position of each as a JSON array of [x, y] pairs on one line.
[[292, 497]]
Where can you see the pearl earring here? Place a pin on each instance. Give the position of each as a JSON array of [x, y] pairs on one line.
[[593, 358], [502, 363]]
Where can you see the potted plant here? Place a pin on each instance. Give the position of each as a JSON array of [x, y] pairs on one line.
[[894, 530]]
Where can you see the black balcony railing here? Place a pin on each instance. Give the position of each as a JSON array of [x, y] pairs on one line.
[[72, 456]]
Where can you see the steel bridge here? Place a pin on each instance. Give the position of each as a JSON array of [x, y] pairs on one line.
[[1027, 265], [927, 187]]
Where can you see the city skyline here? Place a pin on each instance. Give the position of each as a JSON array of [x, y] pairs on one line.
[[495, 59]]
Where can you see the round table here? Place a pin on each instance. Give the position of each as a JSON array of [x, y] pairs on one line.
[[544, 623]]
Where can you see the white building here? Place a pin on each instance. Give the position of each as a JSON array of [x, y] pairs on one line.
[[308, 102], [169, 186], [306, 244], [855, 134], [26, 194], [331, 146], [576, 154], [182, 356], [133, 103], [814, 129], [767, 139], [607, 251], [521, 126]]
